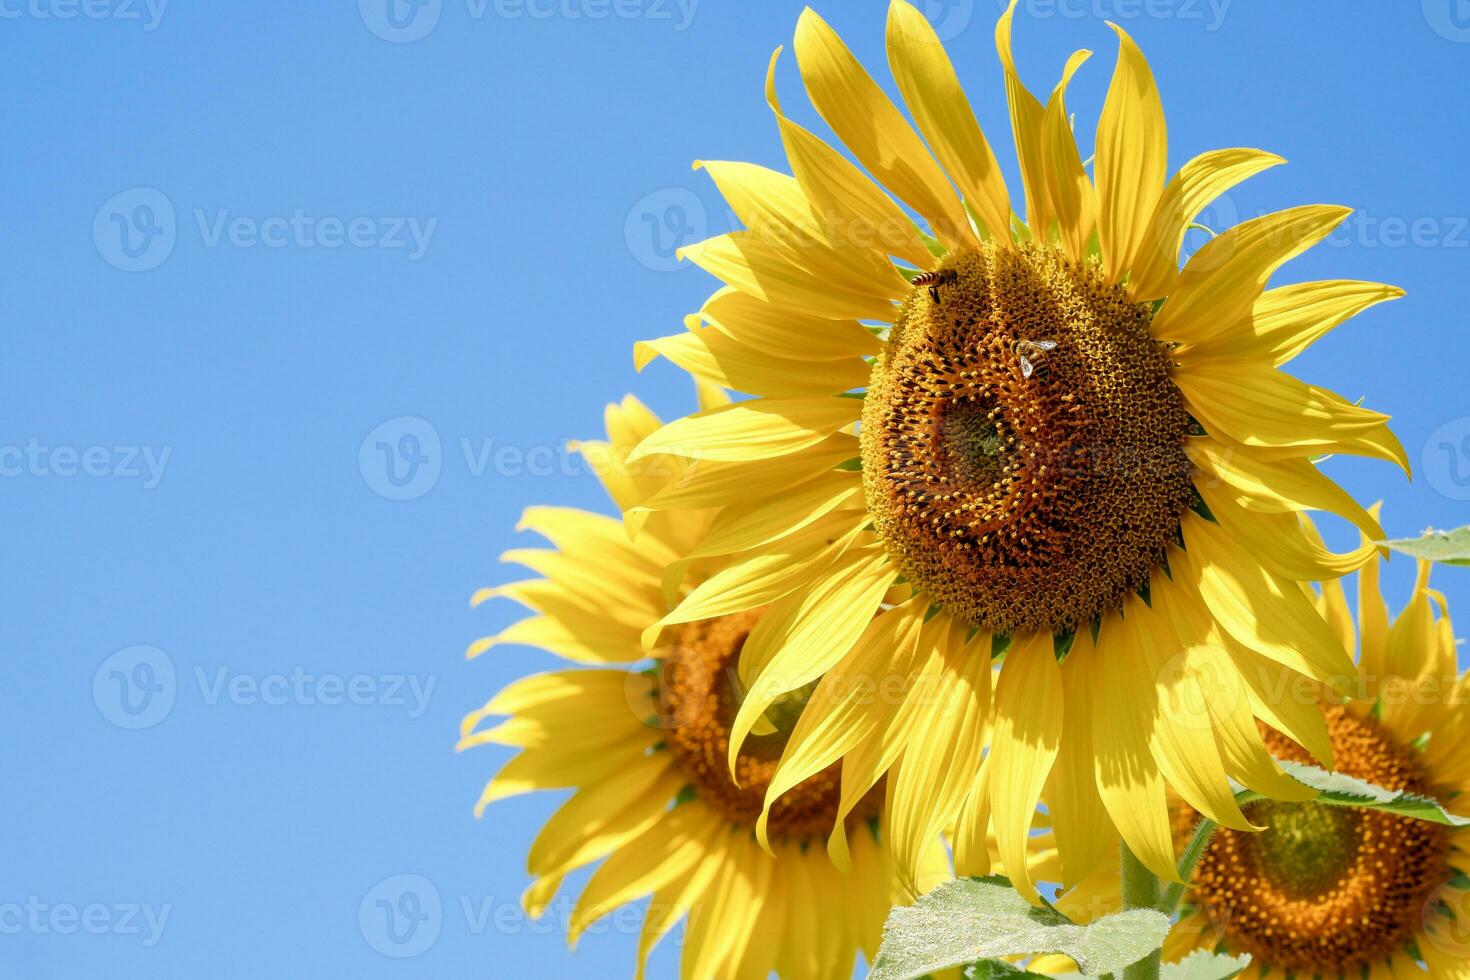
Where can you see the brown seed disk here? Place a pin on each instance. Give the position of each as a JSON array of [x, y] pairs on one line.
[[699, 694], [1327, 889], [1025, 502]]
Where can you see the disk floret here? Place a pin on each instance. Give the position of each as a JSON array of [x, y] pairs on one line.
[[699, 694], [1023, 442], [1326, 889]]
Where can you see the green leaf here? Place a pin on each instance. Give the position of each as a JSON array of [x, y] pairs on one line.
[[1337, 789], [983, 918], [1205, 965], [1445, 547]]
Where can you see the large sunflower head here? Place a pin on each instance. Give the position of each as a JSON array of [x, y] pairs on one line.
[[1039, 438], [643, 742], [1334, 892]]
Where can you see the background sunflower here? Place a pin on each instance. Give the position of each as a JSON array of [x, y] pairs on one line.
[[644, 745], [1335, 892]]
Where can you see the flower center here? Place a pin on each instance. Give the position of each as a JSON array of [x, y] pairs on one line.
[[1327, 889], [699, 694], [1023, 443]]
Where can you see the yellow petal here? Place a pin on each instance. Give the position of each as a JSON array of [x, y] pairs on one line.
[[1286, 321], [741, 527], [1262, 613], [1028, 733], [1182, 728], [1280, 542], [805, 634], [1128, 778], [711, 354], [1222, 281], [840, 714], [1084, 834], [1073, 201], [753, 265], [785, 333], [773, 208], [856, 209], [1283, 413], [759, 429], [1132, 159], [766, 575], [941, 763], [587, 642], [1281, 486], [1224, 692], [645, 865], [602, 818], [1156, 264], [971, 837], [705, 483], [938, 104], [876, 133], [1026, 116]]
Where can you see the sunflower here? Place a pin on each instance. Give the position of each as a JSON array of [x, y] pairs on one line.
[[644, 743], [1070, 452], [1332, 892]]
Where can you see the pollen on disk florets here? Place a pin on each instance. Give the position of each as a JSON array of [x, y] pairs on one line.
[[699, 694], [1035, 494], [1323, 889]]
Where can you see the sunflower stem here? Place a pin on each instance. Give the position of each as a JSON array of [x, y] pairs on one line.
[[1140, 891], [1174, 894]]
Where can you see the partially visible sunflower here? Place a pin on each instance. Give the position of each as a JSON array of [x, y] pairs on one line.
[[1332, 892], [644, 745], [1071, 451]]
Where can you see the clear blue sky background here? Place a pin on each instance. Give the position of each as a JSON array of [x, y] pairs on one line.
[[266, 545]]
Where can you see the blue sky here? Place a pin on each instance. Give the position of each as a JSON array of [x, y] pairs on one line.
[[246, 244]]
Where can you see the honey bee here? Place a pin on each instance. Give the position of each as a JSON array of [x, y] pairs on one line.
[[934, 280], [1028, 349]]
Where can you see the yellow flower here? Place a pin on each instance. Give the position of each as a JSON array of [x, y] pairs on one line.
[[1334, 892], [1070, 451], [644, 747]]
